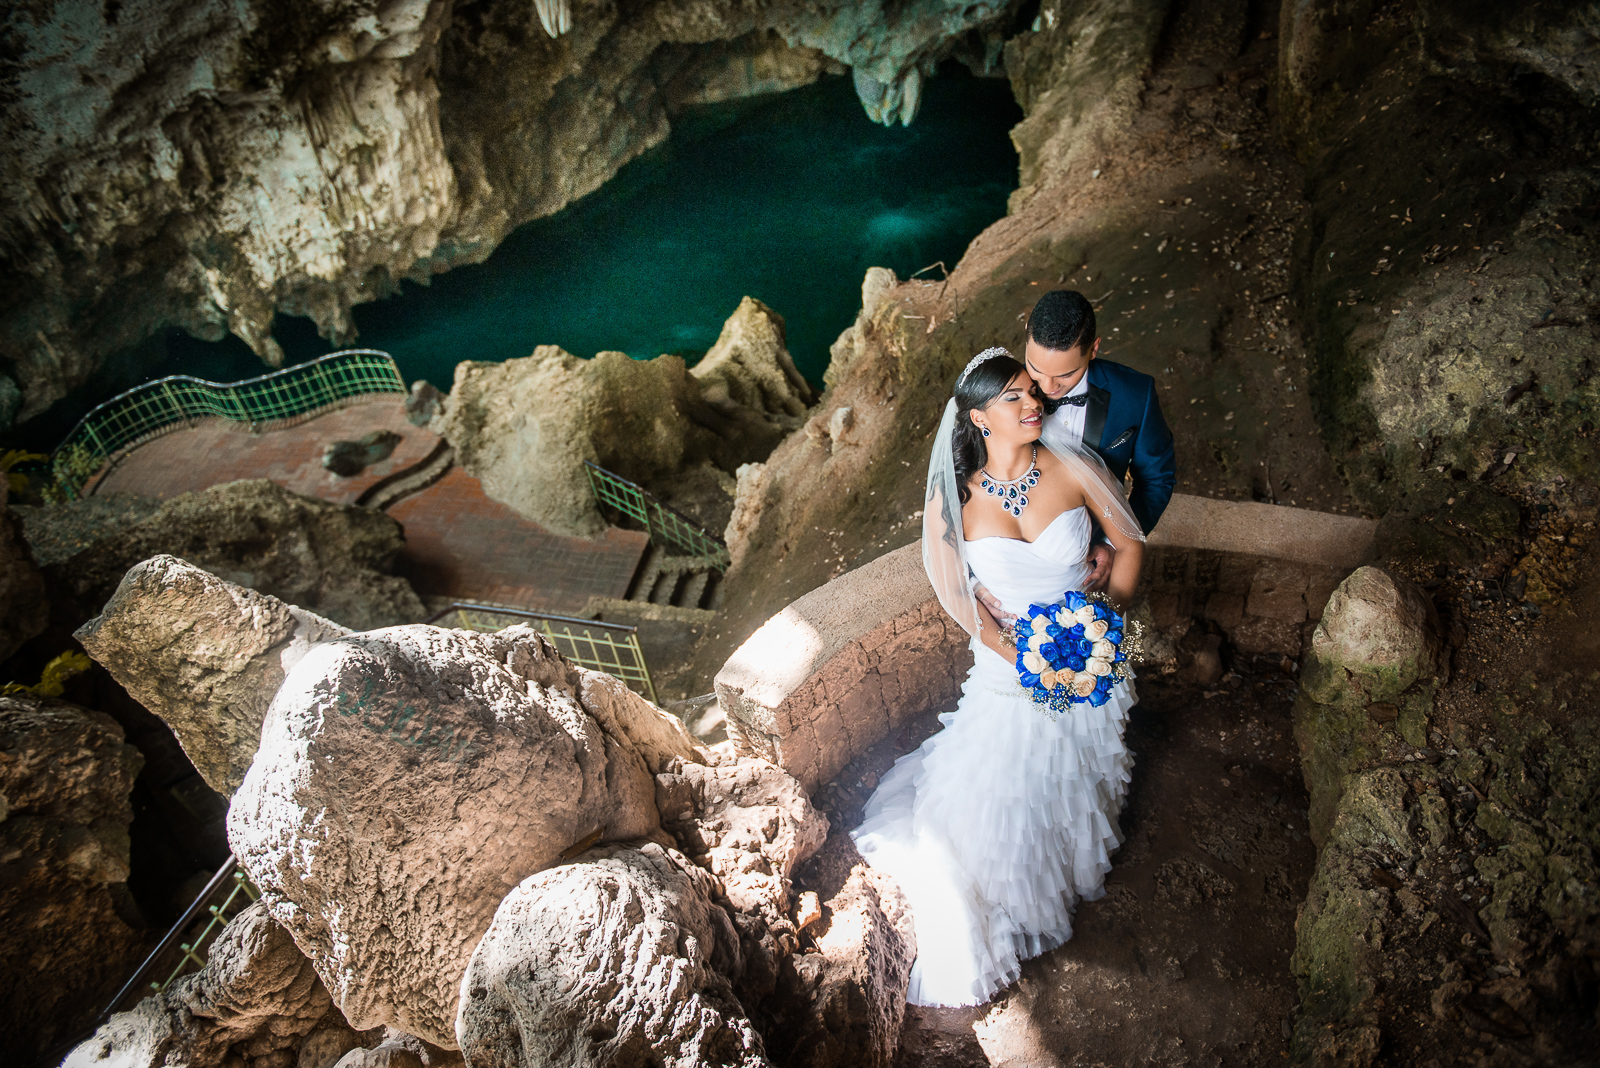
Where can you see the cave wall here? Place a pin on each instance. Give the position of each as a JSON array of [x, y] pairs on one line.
[[1446, 267], [208, 165]]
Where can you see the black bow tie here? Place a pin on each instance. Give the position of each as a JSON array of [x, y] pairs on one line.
[[1077, 402]]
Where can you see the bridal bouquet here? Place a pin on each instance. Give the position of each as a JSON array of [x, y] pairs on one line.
[[1071, 653]]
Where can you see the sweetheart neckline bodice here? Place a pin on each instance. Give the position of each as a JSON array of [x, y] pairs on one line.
[[1036, 540]]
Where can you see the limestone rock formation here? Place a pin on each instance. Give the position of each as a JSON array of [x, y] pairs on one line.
[[751, 824], [618, 958], [24, 610], [257, 996], [524, 427], [332, 559], [409, 778], [71, 928], [1373, 666], [1455, 337], [1402, 841], [748, 821], [306, 160], [845, 1002], [749, 376], [203, 654]]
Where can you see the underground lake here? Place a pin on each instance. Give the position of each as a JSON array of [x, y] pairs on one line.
[[787, 197]]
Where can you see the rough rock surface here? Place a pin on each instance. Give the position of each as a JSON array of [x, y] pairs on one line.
[[1450, 305], [306, 159], [524, 427], [1371, 673], [751, 824], [24, 611], [205, 655], [257, 997], [749, 376], [65, 780], [843, 1001], [619, 958], [332, 559], [409, 778], [1486, 895]]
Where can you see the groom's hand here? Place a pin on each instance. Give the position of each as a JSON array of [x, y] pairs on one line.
[[1100, 557], [992, 603]]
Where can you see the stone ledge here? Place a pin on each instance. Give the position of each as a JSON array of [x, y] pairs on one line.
[[843, 666], [1271, 530]]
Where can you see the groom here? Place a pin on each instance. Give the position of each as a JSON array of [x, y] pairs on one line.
[[1111, 408]]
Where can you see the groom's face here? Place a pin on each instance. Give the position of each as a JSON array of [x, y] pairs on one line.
[[1056, 371]]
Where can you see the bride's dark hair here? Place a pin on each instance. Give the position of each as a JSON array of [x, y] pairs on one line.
[[981, 386]]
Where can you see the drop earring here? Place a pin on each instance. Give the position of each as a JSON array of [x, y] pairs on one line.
[[985, 431]]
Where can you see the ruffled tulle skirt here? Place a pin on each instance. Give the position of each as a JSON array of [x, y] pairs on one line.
[[997, 827]]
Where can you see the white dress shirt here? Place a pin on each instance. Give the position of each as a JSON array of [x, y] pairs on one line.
[[1071, 416]]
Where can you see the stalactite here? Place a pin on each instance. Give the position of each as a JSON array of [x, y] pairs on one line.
[[554, 15]]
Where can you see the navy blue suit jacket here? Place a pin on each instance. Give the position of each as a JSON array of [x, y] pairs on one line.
[[1123, 423]]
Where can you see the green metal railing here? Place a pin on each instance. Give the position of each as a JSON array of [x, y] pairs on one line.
[[669, 528], [609, 647], [271, 399], [227, 894]]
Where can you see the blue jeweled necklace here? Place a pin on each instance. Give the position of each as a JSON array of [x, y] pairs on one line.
[[1013, 492]]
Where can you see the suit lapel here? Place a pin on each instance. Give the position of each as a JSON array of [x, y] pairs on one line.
[[1094, 416]]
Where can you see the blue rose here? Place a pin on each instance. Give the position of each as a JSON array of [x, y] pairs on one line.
[[1105, 684], [1076, 600], [1076, 631], [1029, 680], [1055, 630], [1098, 697], [1075, 662], [1114, 636], [1084, 648]]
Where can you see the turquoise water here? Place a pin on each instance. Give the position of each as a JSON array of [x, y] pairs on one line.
[[788, 198]]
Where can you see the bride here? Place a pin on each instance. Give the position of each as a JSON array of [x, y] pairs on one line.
[[1002, 821]]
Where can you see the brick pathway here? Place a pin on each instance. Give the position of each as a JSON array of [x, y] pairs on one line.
[[463, 545], [217, 450], [460, 544]]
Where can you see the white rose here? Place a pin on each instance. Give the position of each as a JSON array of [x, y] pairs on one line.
[[1048, 679], [1084, 615], [1097, 666], [1034, 662], [1064, 617], [1104, 650], [1083, 684], [1037, 642], [1096, 629]]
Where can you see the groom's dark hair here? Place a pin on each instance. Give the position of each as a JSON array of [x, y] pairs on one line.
[[1062, 319]]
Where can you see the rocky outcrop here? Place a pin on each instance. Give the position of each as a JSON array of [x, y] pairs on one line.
[[751, 825], [256, 997], [525, 427], [843, 1002], [335, 560], [1368, 682], [1451, 320], [1474, 868], [307, 161], [205, 655], [620, 958], [409, 778], [24, 610], [71, 928], [749, 376]]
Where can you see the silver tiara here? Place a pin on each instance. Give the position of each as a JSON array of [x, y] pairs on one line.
[[986, 354]]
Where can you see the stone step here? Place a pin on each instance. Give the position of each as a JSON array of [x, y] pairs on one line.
[[692, 591], [644, 578]]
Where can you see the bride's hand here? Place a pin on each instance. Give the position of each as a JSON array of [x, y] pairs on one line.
[[1100, 557]]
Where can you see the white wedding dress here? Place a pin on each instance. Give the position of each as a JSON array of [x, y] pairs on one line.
[[1005, 819]]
